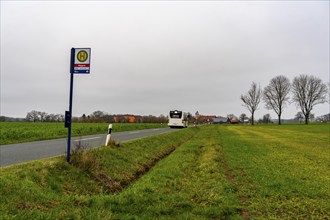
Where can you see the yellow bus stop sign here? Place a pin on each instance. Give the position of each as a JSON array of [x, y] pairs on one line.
[[80, 60], [82, 56]]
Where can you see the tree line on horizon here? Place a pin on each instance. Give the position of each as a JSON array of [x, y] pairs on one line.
[[306, 90], [101, 116], [96, 117]]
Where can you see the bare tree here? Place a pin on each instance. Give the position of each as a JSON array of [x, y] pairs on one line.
[[323, 118], [251, 100], [299, 116], [98, 114], [42, 116], [32, 116], [232, 116], [242, 117], [197, 116], [311, 116], [276, 94], [50, 118], [266, 119], [308, 91]]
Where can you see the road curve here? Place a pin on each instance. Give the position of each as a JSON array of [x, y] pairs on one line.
[[19, 153]]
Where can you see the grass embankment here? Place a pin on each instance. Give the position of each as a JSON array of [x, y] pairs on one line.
[[213, 172], [18, 132]]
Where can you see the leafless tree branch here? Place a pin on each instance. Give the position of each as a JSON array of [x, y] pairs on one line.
[[308, 91], [276, 94], [252, 99]]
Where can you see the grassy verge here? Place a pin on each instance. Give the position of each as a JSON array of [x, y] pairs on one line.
[[280, 172], [54, 189], [209, 172], [18, 132]]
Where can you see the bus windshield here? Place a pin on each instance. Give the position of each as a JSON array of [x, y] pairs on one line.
[[175, 114]]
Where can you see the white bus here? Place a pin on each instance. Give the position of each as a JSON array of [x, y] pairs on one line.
[[177, 119]]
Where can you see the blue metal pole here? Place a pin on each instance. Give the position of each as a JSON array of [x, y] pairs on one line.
[[69, 127], [69, 122]]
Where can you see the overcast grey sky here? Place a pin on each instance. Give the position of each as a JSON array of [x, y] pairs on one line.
[[151, 57]]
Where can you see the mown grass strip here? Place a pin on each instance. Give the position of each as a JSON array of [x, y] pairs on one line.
[[18, 132], [282, 174], [189, 184]]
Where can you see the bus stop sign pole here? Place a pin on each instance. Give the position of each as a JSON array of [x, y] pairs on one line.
[[79, 64]]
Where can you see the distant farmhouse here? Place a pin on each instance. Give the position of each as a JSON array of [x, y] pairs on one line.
[[128, 118], [225, 120], [221, 120], [205, 118], [217, 120], [235, 121]]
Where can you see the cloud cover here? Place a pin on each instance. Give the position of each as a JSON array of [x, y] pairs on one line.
[[152, 57]]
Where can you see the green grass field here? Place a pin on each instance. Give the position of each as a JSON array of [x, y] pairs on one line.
[[18, 132], [208, 172]]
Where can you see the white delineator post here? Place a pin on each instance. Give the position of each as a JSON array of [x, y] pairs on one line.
[[109, 135]]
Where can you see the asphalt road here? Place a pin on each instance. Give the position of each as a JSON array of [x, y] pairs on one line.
[[19, 153]]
